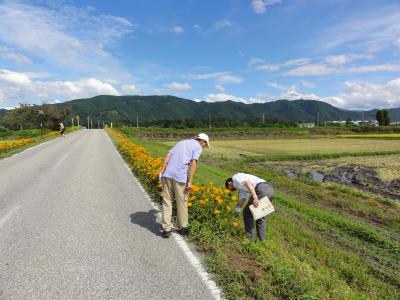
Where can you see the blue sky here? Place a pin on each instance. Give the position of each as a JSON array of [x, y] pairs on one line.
[[344, 52]]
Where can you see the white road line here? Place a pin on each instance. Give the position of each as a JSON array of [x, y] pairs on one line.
[[194, 261], [61, 160], [8, 216]]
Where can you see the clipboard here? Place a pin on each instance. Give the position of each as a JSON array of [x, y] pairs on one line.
[[264, 208]]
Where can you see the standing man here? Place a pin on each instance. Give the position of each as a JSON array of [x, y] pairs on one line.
[[177, 176], [255, 188], [62, 128]]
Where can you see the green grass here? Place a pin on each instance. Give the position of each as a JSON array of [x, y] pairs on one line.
[[29, 133], [324, 241]]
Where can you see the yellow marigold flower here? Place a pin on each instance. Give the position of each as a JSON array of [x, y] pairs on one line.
[[234, 198], [190, 204], [228, 208], [218, 200], [235, 224], [216, 212], [202, 202]]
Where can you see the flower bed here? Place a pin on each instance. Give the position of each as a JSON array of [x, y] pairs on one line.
[[209, 206], [9, 145]]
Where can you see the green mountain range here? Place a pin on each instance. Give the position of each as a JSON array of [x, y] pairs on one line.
[[128, 108]]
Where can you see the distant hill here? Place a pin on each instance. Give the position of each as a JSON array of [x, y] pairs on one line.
[[127, 108]]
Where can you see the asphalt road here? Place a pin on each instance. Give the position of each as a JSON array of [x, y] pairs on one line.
[[75, 225]]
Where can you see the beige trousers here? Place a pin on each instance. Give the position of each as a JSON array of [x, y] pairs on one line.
[[174, 190]]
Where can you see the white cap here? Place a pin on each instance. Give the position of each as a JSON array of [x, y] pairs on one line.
[[204, 137]]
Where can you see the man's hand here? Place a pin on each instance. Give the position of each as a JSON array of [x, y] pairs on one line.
[[256, 202], [237, 209], [188, 187]]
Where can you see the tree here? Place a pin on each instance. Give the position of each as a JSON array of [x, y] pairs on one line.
[[382, 116], [31, 116], [386, 118]]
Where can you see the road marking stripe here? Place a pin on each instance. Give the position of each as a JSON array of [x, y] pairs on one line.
[[61, 160], [8, 216], [194, 261]]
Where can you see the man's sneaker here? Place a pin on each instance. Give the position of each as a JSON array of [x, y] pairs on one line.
[[166, 234], [183, 231]]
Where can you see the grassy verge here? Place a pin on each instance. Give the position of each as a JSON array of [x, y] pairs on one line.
[[35, 137], [324, 241]]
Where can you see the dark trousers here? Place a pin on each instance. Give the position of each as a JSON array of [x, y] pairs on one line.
[[262, 189]]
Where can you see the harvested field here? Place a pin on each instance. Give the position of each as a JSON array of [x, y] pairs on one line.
[[379, 174]]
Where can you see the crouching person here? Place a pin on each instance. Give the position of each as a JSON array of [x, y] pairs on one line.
[[177, 175], [252, 188]]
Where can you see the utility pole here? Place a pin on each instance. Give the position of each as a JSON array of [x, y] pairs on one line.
[[72, 121], [91, 124], [137, 121], [362, 123], [88, 122], [263, 118], [98, 124], [318, 119], [209, 120]]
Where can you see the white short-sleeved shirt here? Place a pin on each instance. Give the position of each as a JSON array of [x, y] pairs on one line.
[[238, 183], [181, 156]]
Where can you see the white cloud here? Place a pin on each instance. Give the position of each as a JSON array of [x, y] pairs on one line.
[[343, 59], [130, 89], [368, 95], [268, 68], [277, 86], [255, 61], [20, 59], [311, 70], [197, 27], [222, 97], [323, 69], [222, 77], [307, 84], [275, 67], [220, 88], [178, 29], [260, 6], [222, 24], [14, 78], [178, 87], [377, 68], [70, 37], [20, 87], [379, 26]]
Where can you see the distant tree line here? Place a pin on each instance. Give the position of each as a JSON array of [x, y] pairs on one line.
[[214, 123], [31, 116]]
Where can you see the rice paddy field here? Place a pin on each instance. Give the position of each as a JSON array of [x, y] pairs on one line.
[[297, 148], [326, 240]]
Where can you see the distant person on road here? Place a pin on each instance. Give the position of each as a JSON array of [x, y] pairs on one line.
[[176, 176], [250, 188], [61, 128]]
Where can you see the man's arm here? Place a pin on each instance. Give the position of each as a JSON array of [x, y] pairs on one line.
[[191, 171], [165, 163], [252, 191]]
